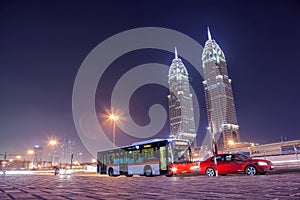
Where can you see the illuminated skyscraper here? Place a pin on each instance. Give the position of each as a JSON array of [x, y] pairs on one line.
[[221, 112], [181, 111]]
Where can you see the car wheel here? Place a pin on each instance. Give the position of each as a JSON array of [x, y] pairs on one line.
[[111, 172], [250, 170], [210, 171]]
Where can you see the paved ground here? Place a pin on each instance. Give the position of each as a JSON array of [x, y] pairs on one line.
[[281, 185]]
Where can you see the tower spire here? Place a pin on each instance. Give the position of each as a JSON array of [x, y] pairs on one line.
[[208, 34], [176, 54]]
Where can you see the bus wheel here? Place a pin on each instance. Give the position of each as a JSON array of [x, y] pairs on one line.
[[110, 172], [148, 171], [169, 175]]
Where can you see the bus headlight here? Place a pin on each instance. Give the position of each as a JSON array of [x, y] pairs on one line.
[[174, 169], [194, 168]]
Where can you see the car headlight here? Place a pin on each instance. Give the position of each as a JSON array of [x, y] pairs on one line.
[[174, 169], [262, 163]]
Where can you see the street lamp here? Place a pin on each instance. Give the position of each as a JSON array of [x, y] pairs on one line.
[[231, 142], [114, 118], [52, 143], [30, 152]]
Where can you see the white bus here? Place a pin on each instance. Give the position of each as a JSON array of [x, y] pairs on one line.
[[148, 158]]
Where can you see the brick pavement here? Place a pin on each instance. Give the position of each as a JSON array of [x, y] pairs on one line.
[[274, 186]]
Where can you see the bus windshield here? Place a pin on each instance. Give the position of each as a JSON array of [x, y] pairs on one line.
[[180, 151]]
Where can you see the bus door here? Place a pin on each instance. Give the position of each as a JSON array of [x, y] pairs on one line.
[[163, 159], [103, 163], [123, 163]]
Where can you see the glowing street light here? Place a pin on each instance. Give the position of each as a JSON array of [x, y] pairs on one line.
[[52, 142], [231, 142], [18, 157], [114, 118], [30, 152]]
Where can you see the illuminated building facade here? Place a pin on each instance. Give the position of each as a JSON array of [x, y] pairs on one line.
[[38, 154], [181, 111], [221, 112]]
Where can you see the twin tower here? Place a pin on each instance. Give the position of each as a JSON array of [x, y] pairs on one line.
[[221, 112]]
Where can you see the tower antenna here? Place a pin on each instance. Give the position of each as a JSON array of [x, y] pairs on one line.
[[208, 34]]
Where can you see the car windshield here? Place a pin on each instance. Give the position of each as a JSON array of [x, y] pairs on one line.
[[242, 156]]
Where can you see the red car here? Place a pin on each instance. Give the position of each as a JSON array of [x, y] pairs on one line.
[[235, 164]]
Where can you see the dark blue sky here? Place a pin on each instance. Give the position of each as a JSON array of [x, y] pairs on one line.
[[43, 43]]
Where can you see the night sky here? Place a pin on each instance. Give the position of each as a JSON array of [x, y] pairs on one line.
[[43, 43]]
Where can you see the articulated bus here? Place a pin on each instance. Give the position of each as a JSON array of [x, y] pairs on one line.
[[148, 158]]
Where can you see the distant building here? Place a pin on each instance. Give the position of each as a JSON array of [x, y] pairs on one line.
[[271, 149], [221, 112], [38, 153], [66, 149], [181, 111]]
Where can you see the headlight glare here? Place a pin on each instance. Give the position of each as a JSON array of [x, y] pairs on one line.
[[262, 163], [174, 169]]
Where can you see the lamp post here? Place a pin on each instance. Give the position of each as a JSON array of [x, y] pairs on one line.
[[52, 143], [231, 143], [214, 146], [114, 118]]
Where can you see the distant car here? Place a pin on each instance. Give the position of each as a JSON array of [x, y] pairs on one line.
[[235, 164], [65, 171]]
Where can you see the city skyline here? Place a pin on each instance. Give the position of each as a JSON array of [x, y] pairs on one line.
[[44, 44]]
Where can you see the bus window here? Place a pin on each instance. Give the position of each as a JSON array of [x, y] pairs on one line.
[[156, 153], [140, 158], [110, 159], [130, 157], [116, 158], [121, 160], [149, 154], [137, 156]]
